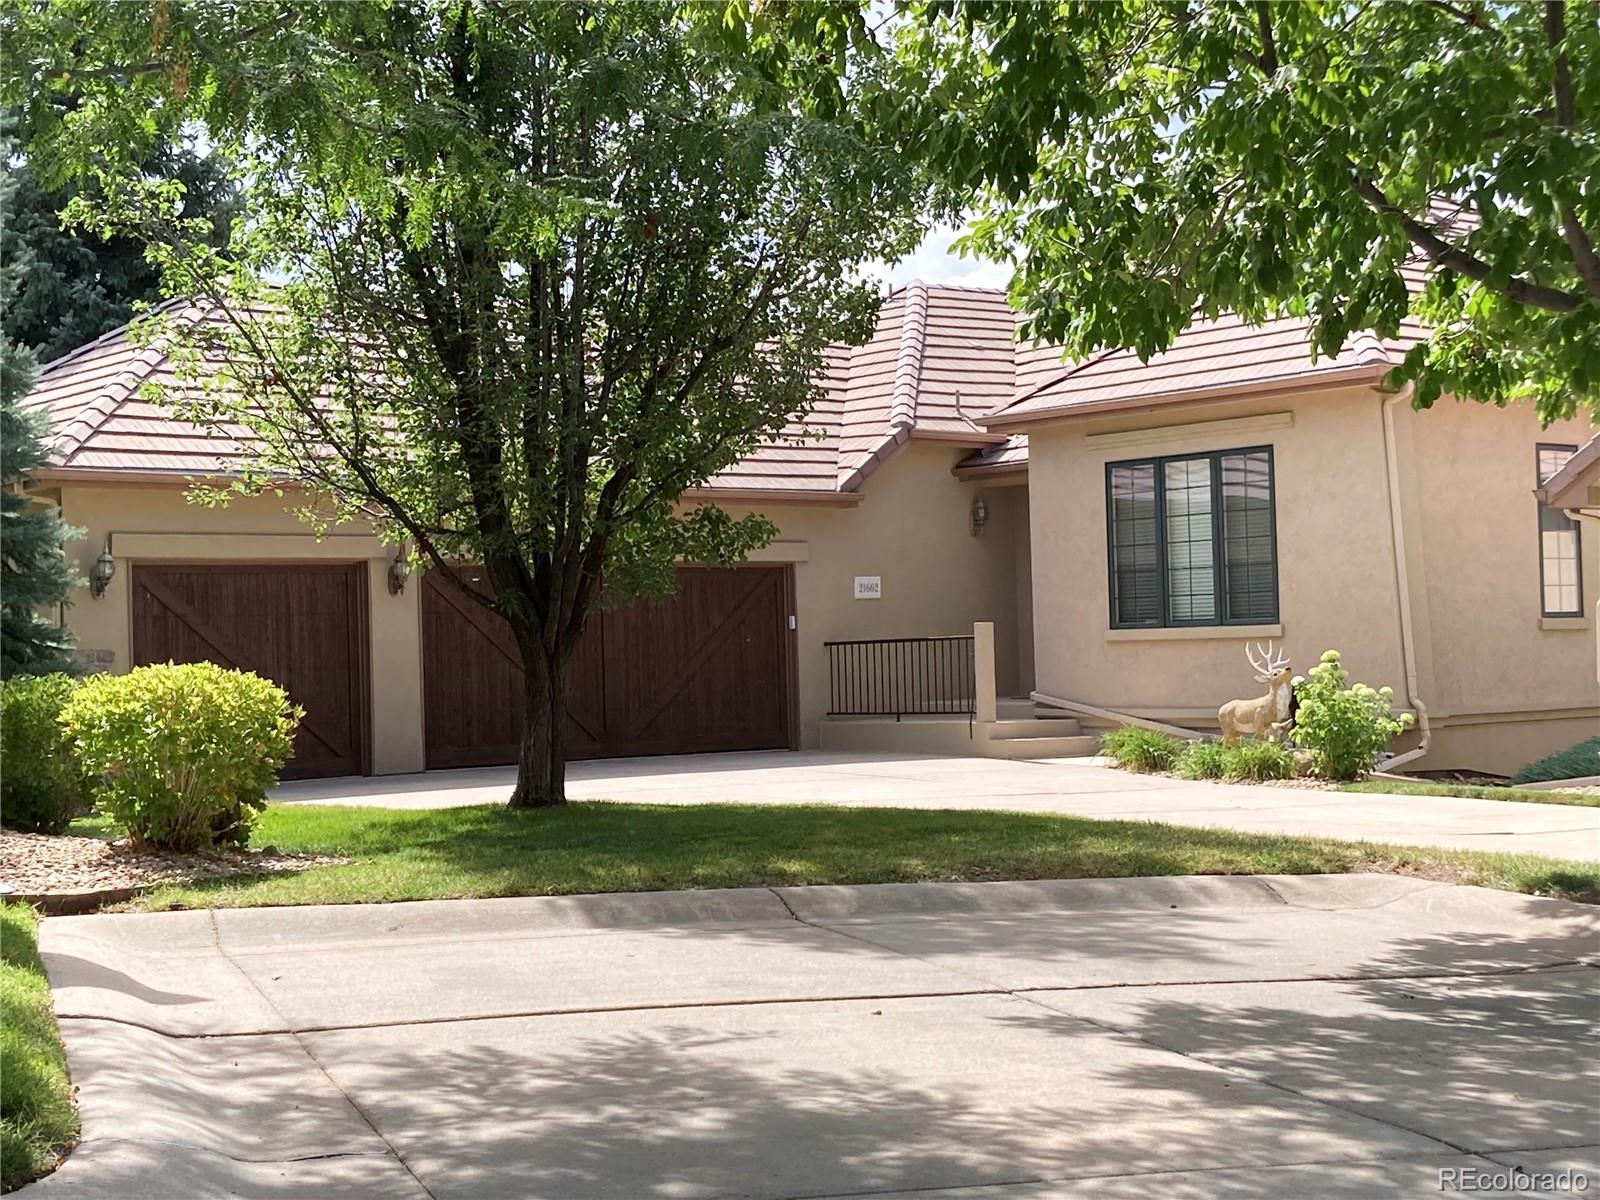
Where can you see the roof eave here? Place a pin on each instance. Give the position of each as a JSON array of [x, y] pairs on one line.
[[818, 497], [1000, 472], [1569, 487], [1369, 373]]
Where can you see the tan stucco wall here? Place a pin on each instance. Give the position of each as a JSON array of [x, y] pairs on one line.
[[1467, 476], [911, 530], [1335, 590], [156, 523], [1507, 685]]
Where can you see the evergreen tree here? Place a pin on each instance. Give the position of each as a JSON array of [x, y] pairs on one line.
[[68, 286], [34, 574]]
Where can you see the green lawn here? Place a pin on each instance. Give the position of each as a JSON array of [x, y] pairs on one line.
[[1425, 787], [602, 847], [38, 1123]]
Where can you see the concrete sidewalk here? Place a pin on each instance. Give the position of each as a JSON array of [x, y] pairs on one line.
[[1062, 786], [1319, 1037]]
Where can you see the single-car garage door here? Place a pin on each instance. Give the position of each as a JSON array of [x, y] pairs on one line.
[[704, 669], [300, 625]]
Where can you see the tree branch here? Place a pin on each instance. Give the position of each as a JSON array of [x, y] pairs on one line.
[[1472, 17], [1268, 59], [1444, 254], [1583, 255]]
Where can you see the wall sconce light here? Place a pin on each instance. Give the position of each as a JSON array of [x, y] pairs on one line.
[[980, 515], [101, 573], [399, 571]]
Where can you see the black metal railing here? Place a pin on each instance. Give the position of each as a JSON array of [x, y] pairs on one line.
[[902, 677]]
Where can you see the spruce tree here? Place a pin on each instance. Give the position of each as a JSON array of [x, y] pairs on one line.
[[35, 576]]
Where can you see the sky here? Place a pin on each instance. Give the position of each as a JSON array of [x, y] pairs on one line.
[[933, 262]]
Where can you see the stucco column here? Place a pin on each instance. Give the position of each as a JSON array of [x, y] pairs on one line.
[[983, 670]]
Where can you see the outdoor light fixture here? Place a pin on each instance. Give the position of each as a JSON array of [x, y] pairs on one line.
[[399, 571], [100, 574], [980, 515]]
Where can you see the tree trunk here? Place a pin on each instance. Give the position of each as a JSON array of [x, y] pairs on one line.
[[542, 760]]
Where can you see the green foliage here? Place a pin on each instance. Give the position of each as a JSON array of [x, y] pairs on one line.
[[1257, 761], [1204, 760], [1344, 728], [38, 1122], [1143, 162], [181, 756], [1244, 761], [34, 572], [1575, 762], [41, 786], [1136, 749], [540, 269], [68, 286]]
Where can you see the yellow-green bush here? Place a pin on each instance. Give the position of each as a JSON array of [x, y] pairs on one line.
[[1343, 728], [41, 785], [181, 756]]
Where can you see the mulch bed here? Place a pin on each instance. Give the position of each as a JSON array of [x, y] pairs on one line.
[[37, 864]]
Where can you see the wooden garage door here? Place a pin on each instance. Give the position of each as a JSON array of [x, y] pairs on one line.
[[302, 626], [705, 669]]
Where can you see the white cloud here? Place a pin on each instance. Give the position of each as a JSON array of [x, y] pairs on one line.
[[934, 262]]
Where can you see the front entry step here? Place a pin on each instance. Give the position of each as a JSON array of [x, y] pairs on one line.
[[1081, 746], [1007, 729]]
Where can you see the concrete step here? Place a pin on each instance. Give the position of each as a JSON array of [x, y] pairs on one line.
[[1008, 728], [1045, 747]]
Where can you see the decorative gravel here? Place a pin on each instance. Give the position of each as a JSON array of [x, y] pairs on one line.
[[38, 864]]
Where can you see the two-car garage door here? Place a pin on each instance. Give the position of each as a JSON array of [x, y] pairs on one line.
[[706, 669]]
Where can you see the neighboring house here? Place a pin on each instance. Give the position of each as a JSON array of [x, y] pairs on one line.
[[1126, 528]]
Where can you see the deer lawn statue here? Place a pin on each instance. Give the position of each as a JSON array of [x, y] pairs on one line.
[[1263, 717]]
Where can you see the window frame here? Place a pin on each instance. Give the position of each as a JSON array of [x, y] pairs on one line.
[[1213, 459], [1577, 534]]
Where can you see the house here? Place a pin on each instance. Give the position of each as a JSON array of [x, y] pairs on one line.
[[977, 518]]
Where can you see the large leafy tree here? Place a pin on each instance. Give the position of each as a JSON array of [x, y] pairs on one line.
[[71, 285], [1145, 162], [507, 280]]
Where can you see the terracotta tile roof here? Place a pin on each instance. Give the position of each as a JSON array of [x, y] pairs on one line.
[[942, 363], [1210, 356]]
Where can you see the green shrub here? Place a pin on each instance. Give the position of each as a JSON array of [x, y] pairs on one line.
[[1204, 760], [181, 756], [1255, 761], [1136, 749], [41, 786], [1575, 762], [1343, 728]]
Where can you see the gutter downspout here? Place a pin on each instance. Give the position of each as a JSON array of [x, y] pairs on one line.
[[1403, 582]]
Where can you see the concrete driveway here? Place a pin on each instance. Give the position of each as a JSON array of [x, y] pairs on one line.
[[1317, 1037], [1063, 786]]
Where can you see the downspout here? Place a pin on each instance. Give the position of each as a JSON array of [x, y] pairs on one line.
[[1408, 650]]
